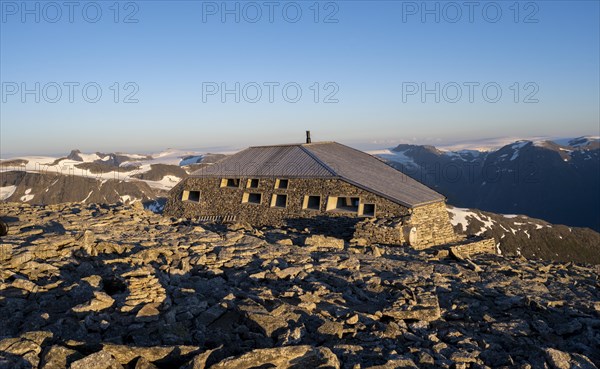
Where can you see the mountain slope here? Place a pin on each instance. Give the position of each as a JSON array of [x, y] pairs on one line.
[[97, 177], [555, 181], [49, 188], [519, 235]]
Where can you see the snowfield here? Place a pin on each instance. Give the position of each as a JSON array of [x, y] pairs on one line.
[[397, 156], [6, 192], [65, 166]]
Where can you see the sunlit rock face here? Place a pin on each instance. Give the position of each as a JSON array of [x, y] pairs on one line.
[[113, 286]]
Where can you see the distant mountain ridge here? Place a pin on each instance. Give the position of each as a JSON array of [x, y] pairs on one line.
[[557, 181], [97, 177]]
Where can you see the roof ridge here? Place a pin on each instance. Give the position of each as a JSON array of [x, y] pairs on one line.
[[301, 144], [316, 158]]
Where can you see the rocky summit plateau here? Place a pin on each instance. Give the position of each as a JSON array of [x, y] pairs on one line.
[[88, 286]]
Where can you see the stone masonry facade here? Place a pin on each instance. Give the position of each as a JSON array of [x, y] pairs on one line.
[[385, 223], [220, 203], [431, 224]]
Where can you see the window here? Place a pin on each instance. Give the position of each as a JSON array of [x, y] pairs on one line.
[[230, 182], [279, 201], [190, 196], [367, 210], [252, 198], [281, 183], [343, 204], [252, 183], [311, 203]]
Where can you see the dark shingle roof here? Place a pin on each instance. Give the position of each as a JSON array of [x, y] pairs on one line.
[[324, 160]]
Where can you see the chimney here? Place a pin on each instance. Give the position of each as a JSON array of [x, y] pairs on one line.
[[308, 137]]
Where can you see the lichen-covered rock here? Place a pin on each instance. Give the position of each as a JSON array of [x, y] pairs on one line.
[[322, 242], [99, 360], [283, 358]]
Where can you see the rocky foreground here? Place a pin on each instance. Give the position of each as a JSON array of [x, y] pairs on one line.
[[97, 287]]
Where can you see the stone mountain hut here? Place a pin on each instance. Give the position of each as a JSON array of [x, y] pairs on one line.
[[272, 185]]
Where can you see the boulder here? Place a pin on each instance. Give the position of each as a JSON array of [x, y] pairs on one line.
[[289, 357], [98, 360], [319, 241], [100, 302]]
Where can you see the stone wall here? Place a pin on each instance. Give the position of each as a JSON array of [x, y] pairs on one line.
[[432, 224], [379, 231], [481, 246], [226, 203]]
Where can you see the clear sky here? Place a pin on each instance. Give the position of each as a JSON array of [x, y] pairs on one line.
[[380, 72]]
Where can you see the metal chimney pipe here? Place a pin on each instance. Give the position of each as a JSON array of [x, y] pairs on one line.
[[308, 137]]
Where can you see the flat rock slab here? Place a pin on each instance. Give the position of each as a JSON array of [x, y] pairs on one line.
[[290, 357]]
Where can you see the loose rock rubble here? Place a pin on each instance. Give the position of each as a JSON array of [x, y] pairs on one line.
[[99, 286]]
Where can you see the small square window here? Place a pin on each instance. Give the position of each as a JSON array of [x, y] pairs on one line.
[[311, 203], [367, 210], [252, 198], [281, 184], [279, 201], [252, 183], [344, 204], [190, 196], [230, 182]]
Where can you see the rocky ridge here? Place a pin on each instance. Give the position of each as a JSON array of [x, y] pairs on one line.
[[113, 286]]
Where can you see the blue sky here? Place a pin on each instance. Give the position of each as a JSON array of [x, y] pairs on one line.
[[369, 61]]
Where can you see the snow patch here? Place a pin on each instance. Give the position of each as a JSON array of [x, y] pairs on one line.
[[6, 192], [88, 196], [166, 183], [89, 158], [395, 156], [28, 196], [518, 146], [127, 199], [459, 216]]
